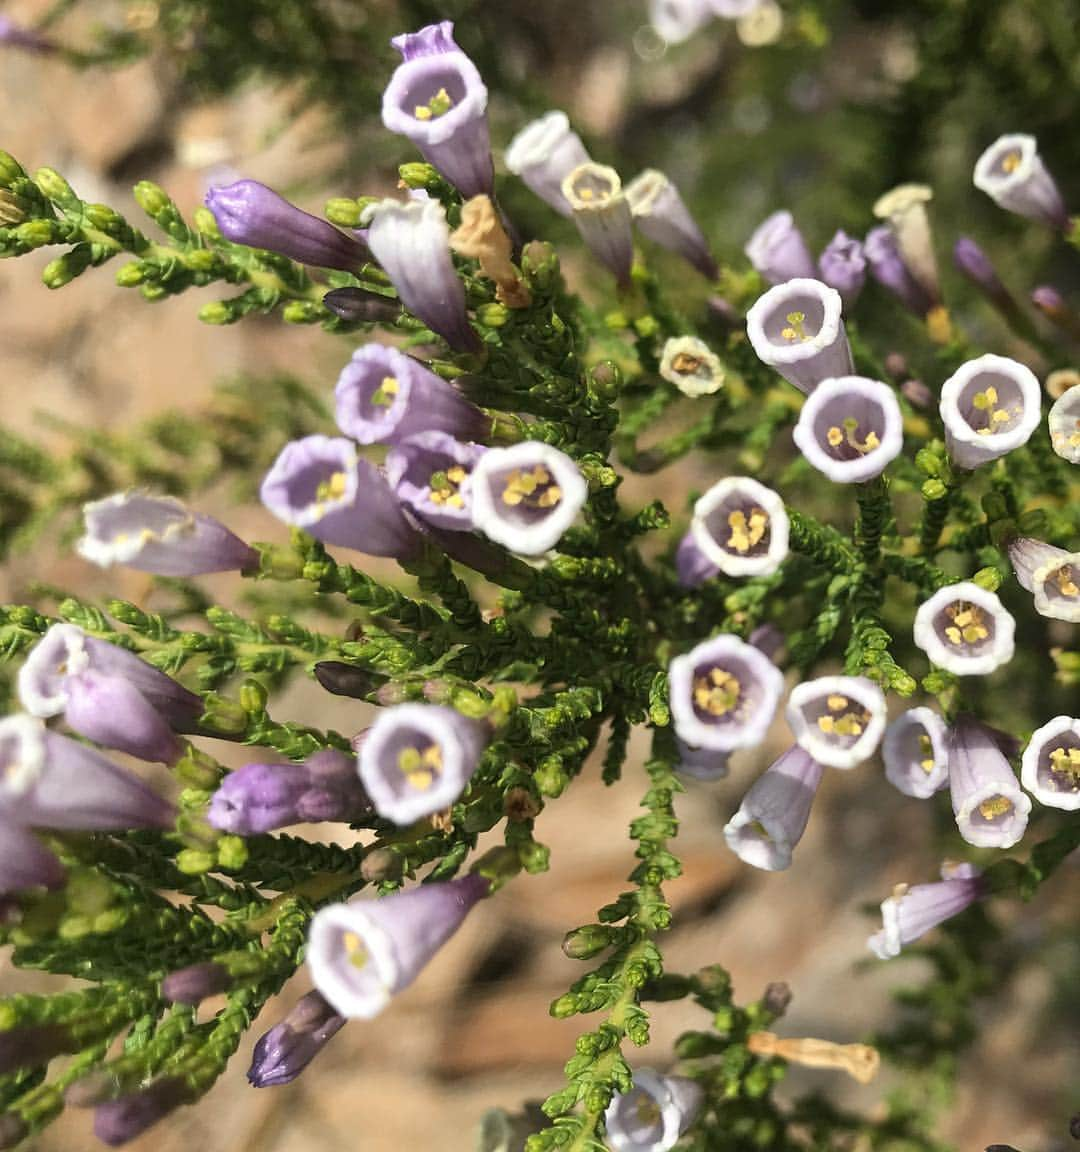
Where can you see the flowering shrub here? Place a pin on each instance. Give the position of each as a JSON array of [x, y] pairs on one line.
[[907, 539]]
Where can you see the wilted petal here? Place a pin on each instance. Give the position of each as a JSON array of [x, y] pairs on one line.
[[905, 210], [692, 366], [850, 428], [797, 329], [1050, 767], [161, 535], [915, 751], [723, 694], [526, 496], [362, 953], [839, 720], [965, 629], [989, 406]]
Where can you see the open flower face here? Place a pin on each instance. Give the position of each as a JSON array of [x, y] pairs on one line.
[[432, 473], [724, 694], [692, 366], [653, 1114], [797, 329], [1012, 174], [839, 720], [965, 630], [741, 526], [416, 759], [543, 153], [990, 406], [602, 214], [850, 429], [526, 496], [1050, 574], [915, 751], [1050, 768], [1064, 424]]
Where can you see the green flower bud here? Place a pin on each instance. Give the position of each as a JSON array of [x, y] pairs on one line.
[[104, 218], [564, 1007], [205, 223], [988, 578], [151, 199], [253, 697], [54, 187], [217, 312], [418, 175], [10, 169], [995, 506], [232, 853], [493, 315], [934, 490], [37, 233], [130, 275], [343, 211], [540, 264], [195, 861], [302, 312], [587, 941], [65, 268]]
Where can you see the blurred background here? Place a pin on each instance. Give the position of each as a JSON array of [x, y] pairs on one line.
[[818, 108]]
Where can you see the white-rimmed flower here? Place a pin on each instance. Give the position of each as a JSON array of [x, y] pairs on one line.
[[602, 214], [692, 366], [662, 215], [1050, 766], [797, 328], [1012, 174], [739, 527], [839, 720], [990, 808], [362, 953], [161, 535], [653, 1114], [677, 20], [905, 210], [965, 629], [911, 912], [416, 759], [724, 694], [915, 751], [1064, 424], [774, 813], [1051, 574], [543, 154], [526, 496], [850, 428], [778, 251], [990, 406]]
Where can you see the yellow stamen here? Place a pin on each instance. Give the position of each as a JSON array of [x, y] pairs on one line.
[[717, 692], [383, 396], [967, 624], [332, 489], [647, 1109], [1065, 762], [842, 719], [444, 487], [838, 435], [355, 951], [1063, 578], [685, 364], [994, 807], [746, 531], [420, 769], [1011, 162], [534, 489], [437, 106], [926, 752], [795, 331]]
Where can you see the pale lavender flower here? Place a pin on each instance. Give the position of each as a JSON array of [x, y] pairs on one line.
[[842, 265], [965, 629], [1050, 766], [51, 781], [543, 154], [526, 496], [989, 406], [321, 485], [774, 813], [249, 213], [797, 329], [437, 99], [915, 751], [839, 720], [850, 429], [416, 759], [1064, 425], [601, 211], [888, 268], [261, 797], [1012, 174], [677, 20], [904, 208], [701, 763], [384, 395], [412, 243], [778, 251], [362, 953], [723, 694], [739, 527], [692, 366], [432, 474], [161, 535], [1051, 574], [654, 1114], [990, 809], [24, 861], [661, 215], [974, 263], [106, 694], [910, 912], [290, 1046]]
